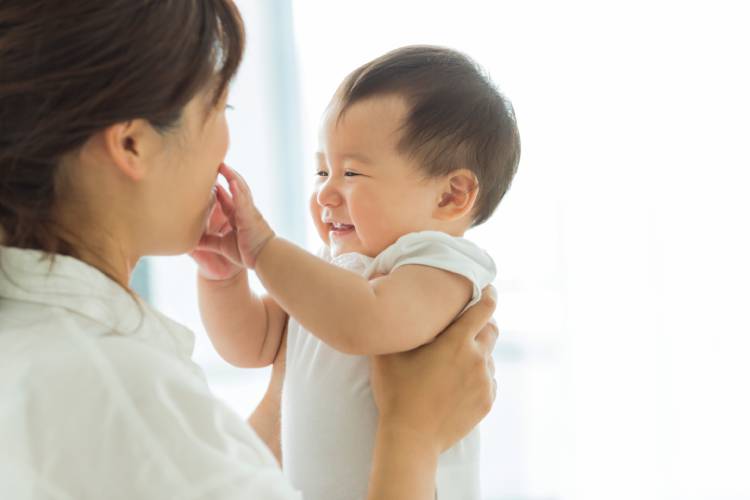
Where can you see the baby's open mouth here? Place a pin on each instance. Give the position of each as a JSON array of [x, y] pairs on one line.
[[339, 229]]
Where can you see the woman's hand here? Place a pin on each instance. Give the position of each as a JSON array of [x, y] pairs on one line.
[[428, 399], [247, 231], [438, 392]]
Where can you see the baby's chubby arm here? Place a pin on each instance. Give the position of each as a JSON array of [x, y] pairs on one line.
[[393, 313], [244, 328], [397, 312]]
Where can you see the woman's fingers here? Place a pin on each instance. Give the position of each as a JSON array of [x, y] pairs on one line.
[[472, 322], [487, 337]]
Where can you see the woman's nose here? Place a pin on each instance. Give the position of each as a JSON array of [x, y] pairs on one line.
[[328, 194]]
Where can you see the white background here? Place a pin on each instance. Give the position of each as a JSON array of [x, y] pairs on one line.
[[622, 245]]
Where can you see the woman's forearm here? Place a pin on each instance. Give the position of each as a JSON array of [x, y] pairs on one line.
[[266, 422], [403, 467], [266, 419]]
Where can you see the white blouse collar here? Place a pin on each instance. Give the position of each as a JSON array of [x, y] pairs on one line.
[[68, 283]]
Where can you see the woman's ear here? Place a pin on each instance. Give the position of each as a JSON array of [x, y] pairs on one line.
[[126, 145], [458, 195]]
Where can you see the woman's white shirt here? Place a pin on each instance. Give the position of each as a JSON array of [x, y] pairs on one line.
[[99, 397]]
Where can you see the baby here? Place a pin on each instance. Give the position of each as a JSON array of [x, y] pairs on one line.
[[416, 147]]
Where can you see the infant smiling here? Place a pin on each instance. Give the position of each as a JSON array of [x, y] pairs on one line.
[[416, 147]]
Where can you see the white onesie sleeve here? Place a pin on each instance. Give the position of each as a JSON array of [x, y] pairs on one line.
[[442, 251]]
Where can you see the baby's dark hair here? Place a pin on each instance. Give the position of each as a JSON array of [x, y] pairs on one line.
[[456, 118]]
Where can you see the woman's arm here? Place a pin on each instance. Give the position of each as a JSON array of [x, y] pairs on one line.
[[266, 419], [424, 408], [244, 328], [403, 466]]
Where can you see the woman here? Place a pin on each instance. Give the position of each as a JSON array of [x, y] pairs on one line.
[[112, 131]]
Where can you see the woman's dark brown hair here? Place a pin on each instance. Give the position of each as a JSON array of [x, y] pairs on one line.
[[70, 68]]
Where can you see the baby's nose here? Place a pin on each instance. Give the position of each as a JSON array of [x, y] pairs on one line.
[[328, 195]]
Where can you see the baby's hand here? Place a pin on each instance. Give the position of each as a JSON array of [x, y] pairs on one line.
[[247, 231], [211, 264]]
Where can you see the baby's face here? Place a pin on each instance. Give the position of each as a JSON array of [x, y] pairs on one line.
[[366, 194]]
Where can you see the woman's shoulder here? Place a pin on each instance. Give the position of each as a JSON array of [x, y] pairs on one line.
[[68, 362], [136, 418]]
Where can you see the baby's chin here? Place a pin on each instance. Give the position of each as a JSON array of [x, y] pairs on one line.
[[337, 249]]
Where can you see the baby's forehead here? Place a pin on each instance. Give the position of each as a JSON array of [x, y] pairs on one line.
[[375, 123]]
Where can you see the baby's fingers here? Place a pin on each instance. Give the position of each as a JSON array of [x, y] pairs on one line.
[[252, 231], [244, 210], [231, 175], [225, 246], [226, 203], [217, 220]]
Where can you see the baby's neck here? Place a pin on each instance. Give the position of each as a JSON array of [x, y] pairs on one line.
[[455, 228]]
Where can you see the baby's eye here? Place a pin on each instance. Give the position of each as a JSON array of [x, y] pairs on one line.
[[321, 173], [349, 173]]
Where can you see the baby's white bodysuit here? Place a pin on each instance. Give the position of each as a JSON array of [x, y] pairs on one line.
[[329, 417]]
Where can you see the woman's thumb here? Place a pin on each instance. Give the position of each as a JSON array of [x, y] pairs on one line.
[[474, 318]]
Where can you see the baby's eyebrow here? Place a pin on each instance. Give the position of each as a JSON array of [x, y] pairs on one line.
[[321, 157], [357, 157]]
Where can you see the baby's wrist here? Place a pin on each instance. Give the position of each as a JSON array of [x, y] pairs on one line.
[[260, 246], [224, 281]]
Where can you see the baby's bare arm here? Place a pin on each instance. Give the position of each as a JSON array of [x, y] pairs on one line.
[[353, 315], [244, 328]]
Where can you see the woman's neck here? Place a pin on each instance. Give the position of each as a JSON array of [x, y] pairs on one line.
[[99, 245], [113, 263], [95, 218]]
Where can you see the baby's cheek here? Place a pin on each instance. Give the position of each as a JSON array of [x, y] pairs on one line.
[[315, 213], [322, 230], [312, 205]]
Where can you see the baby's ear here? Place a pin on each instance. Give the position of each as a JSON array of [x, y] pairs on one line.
[[458, 195]]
